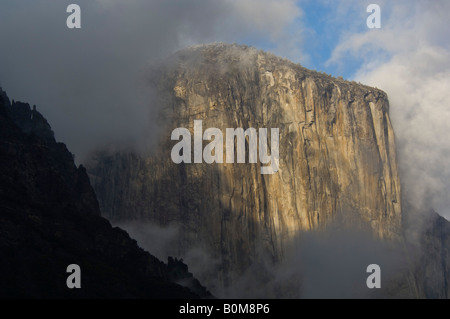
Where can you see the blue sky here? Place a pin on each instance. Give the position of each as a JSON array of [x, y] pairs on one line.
[[320, 28]]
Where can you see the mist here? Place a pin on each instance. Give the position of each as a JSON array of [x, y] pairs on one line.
[[328, 264]]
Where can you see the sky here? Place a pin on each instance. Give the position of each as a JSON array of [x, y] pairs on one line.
[[90, 83]]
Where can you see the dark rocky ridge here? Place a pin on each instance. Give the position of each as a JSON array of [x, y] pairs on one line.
[[430, 255], [50, 218]]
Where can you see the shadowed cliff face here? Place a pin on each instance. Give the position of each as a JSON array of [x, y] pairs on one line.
[[50, 218], [337, 159]]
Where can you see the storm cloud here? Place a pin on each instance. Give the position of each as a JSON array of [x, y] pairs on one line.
[[91, 83]]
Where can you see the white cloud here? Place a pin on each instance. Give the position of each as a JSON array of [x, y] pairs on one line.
[[267, 16]]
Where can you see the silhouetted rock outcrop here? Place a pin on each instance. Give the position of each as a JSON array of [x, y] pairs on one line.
[[50, 218], [179, 273]]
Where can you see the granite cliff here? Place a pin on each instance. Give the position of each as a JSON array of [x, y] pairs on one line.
[[337, 158]]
